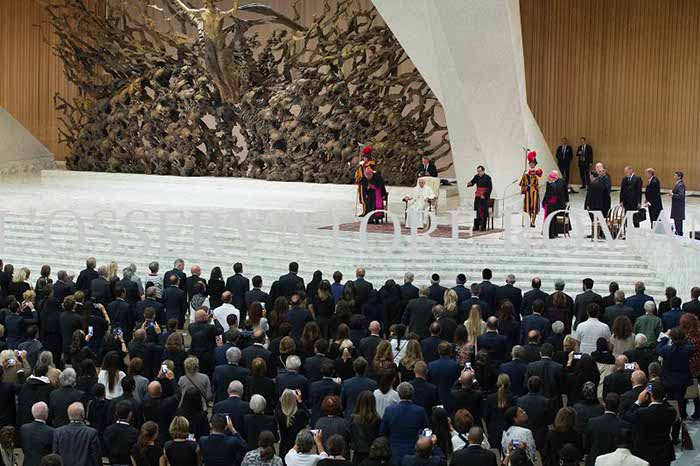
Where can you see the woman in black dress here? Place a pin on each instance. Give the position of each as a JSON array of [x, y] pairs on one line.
[[308, 339], [507, 325], [562, 433], [191, 409], [180, 451], [364, 426], [292, 418], [49, 326], [313, 285], [147, 451], [390, 297], [379, 453], [216, 288], [332, 423], [494, 411], [78, 351], [259, 383], [578, 372], [258, 422], [322, 307], [175, 352]]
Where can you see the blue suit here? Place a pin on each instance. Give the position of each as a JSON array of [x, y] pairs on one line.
[[534, 322], [671, 319], [443, 373], [637, 301], [516, 370], [498, 346], [402, 423], [352, 389], [222, 450]]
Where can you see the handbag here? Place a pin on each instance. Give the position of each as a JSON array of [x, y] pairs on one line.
[[686, 440], [692, 391]]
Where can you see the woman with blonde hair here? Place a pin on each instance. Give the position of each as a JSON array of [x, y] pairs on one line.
[[180, 451], [113, 277], [496, 405], [195, 379], [450, 305], [409, 360], [474, 324], [20, 283], [383, 364], [292, 418]]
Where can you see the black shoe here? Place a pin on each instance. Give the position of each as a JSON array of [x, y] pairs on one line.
[[582, 187]]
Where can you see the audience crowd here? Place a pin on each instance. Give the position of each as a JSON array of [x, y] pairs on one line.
[[159, 369]]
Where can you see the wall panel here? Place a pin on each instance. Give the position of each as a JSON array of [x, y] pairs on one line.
[[624, 73]]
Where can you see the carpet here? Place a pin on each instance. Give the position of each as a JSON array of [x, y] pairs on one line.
[[442, 231]]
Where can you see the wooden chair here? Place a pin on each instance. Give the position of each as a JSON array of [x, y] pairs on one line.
[[564, 222], [616, 217]]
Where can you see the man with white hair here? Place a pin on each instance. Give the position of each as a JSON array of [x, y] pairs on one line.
[[642, 353], [86, 277], [37, 436], [100, 288], [363, 288], [419, 313], [638, 380], [154, 278], [227, 373], [178, 271], [649, 324], [408, 290], [133, 295], [509, 292], [556, 338], [418, 204], [292, 379], [61, 398], [76, 443], [234, 405]]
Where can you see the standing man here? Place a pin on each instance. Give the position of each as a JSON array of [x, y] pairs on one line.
[[238, 285], [37, 437], [678, 202], [585, 160], [631, 192], [607, 187], [652, 195], [76, 443], [484, 186], [427, 168], [595, 198], [565, 154]]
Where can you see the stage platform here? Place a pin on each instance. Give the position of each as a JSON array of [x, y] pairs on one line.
[[62, 217]]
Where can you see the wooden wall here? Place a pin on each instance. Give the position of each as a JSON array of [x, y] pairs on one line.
[[624, 73]]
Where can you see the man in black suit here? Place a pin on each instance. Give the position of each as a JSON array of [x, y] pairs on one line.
[[532, 349], [86, 277], [76, 443], [602, 431], [353, 386], [538, 409], [627, 399], [584, 299], [436, 291], [498, 346], [475, 298], [618, 381], [473, 454], [535, 321], [120, 437], [368, 345], [564, 155], [652, 196], [177, 271], [427, 168], [290, 282], [462, 291], [313, 366], [175, 302], [609, 300], [408, 290], [161, 404], [652, 417], [292, 379], [363, 288], [37, 436], [508, 292], [227, 373], [298, 316], [191, 284], [257, 294], [585, 160], [150, 301], [425, 394], [234, 406], [467, 395], [631, 192], [133, 295], [693, 306], [516, 369], [419, 314], [121, 314], [5, 278], [430, 345], [488, 291], [618, 309], [531, 296], [239, 285], [100, 289], [642, 353], [552, 375], [257, 350], [320, 389], [61, 288]]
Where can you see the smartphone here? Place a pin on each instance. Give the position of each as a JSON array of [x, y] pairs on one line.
[[90, 330], [164, 369], [315, 432], [426, 433], [119, 332], [11, 362], [263, 306], [151, 324], [228, 419], [516, 443], [649, 388], [577, 355], [467, 366], [629, 366], [190, 437]]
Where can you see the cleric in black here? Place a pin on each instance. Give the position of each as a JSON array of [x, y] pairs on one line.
[[374, 192], [631, 192], [484, 186], [427, 168], [556, 197]]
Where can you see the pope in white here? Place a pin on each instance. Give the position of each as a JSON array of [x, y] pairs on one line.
[[418, 205]]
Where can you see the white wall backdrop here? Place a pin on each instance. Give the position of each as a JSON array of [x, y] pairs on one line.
[[20, 152], [471, 54]]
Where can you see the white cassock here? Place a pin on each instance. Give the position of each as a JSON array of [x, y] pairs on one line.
[[417, 214]]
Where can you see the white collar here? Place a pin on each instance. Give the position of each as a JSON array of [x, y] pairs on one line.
[[39, 420]]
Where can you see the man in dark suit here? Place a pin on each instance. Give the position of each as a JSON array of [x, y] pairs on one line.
[[175, 302], [466, 394], [609, 300], [61, 288], [227, 373], [363, 288], [239, 285], [585, 160], [298, 316], [121, 314], [37, 436], [178, 268], [618, 381], [552, 375], [532, 349], [473, 454], [602, 431], [192, 282], [161, 404], [652, 196], [462, 291], [564, 155], [419, 314], [535, 321], [150, 301], [631, 191], [120, 437], [595, 197], [408, 290], [627, 399], [618, 309], [257, 350], [313, 366], [436, 292], [76, 443], [234, 406], [637, 300], [292, 379], [430, 345], [443, 373], [678, 202], [475, 298], [584, 299], [693, 306], [353, 386], [319, 390], [425, 394], [86, 277], [488, 291], [427, 168], [257, 294], [652, 417], [368, 345], [508, 292], [5, 278], [531, 296], [498, 346], [538, 409], [290, 282], [222, 447], [516, 369], [100, 289], [402, 422]]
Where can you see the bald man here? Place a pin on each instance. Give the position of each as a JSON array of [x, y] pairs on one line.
[[368, 345], [227, 308], [161, 404], [37, 437], [639, 384], [619, 381], [192, 280], [76, 443], [204, 340]]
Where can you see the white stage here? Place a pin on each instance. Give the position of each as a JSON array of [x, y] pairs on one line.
[[63, 217]]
